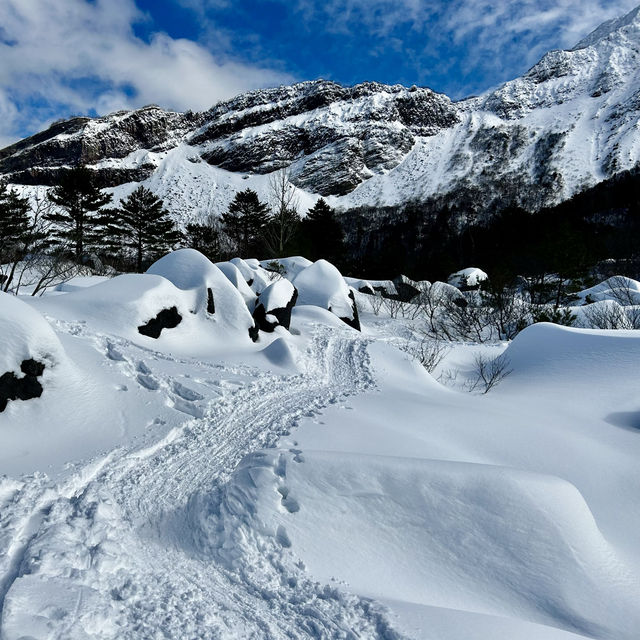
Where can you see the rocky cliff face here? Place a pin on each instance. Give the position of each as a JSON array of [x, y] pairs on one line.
[[569, 122]]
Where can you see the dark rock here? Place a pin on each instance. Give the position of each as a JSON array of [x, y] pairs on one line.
[[32, 367], [254, 332], [166, 319], [25, 388], [355, 321], [405, 288], [281, 314], [211, 307], [368, 289]]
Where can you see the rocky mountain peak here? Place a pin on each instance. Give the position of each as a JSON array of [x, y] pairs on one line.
[[626, 25]]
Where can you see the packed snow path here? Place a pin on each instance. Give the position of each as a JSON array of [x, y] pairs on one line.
[[146, 543]]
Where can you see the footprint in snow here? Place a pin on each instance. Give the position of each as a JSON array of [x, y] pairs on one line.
[[113, 353], [287, 501], [179, 404], [185, 393], [148, 382], [142, 368], [282, 537]]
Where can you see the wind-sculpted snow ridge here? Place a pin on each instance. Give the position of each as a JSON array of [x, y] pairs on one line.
[[568, 123]]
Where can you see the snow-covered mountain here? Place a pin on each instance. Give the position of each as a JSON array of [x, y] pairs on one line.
[[570, 122]]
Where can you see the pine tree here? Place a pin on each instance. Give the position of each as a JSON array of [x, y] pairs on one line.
[[245, 220], [144, 225], [23, 237], [323, 233], [205, 238], [14, 233], [81, 200], [14, 223]]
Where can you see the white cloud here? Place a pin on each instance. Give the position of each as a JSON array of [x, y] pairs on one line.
[[72, 56], [488, 37]]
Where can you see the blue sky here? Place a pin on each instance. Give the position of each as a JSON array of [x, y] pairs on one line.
[[71, 57]]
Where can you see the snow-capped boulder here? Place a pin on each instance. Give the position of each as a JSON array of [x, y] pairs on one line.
[[212, 291], [274, 305], [234, 275], [361, 286], [406, 289], [29, 347], [322, 285], [287, 267], [256, 277], [469, 278]]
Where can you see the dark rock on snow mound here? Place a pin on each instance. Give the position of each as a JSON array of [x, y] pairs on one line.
[[355, 321], [267, 316], [25, 388], [166, 319]]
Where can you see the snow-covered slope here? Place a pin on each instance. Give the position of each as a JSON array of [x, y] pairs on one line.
[[569, 122]]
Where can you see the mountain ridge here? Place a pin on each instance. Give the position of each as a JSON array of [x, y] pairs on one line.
[[566, 124]]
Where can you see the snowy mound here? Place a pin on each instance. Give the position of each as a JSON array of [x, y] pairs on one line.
[[235, 277], [123, 304], [469, 277], [139, 307], [322, 285], [451, 543], [289, 267], [549, 352], [30, 349], [25, 334], [212, 290], [256, 277], [360, 285]]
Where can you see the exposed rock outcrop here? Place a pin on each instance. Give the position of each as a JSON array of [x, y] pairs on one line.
[[166, 319], [26, 387], [274, 305]]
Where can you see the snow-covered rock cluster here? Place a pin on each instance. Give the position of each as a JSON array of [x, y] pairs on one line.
[[568, 123]]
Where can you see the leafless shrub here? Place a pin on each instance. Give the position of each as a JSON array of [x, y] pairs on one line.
[[489, 372], [427, 351], [609, 314], [376, 301], [622, 292], [470, 322], [394, 307], [448, 377]]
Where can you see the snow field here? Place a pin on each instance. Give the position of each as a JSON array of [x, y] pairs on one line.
[[318, 483]]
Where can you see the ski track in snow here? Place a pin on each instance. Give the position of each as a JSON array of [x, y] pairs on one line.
[[139, 543]]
